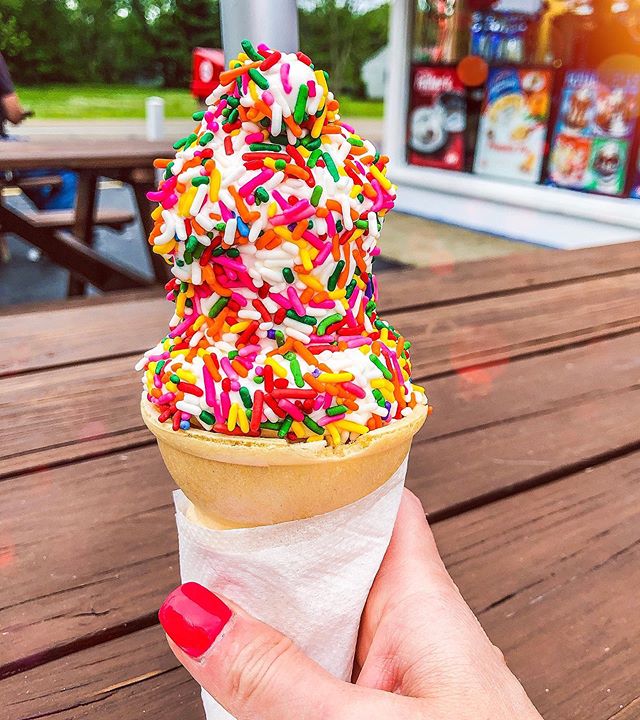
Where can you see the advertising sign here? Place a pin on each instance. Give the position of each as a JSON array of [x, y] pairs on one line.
[[437, 118], [513, 124], [594, 130]]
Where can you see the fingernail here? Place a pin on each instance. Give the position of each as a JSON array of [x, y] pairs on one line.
[[193, 617]]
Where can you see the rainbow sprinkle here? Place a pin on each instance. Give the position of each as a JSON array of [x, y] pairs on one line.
[[269, 215]]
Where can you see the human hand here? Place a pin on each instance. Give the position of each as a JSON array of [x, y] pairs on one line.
[[12, 109], [421, 652]]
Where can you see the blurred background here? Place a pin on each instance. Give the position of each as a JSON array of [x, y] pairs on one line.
[[511, 123]]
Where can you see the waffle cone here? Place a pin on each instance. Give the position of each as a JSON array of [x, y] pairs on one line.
[[236, 482]]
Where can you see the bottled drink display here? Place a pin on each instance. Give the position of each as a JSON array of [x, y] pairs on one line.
[[498, 38]]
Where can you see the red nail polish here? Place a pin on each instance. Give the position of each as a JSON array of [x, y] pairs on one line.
[[193, 617]]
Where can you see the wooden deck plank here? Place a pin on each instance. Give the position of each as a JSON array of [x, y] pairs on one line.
[[501, 328], [121, 562], [442, 284], [81, 421], [402, 289], [79, 405], [474, 398], [133, 537], [67, 336], [130, 677], [569, 420], [87, 301], [553, 581], [107, 155], [86, 448], [565, 561], [489, 329], [459, 471]]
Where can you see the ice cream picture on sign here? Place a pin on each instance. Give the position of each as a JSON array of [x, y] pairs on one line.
[[269, 216]]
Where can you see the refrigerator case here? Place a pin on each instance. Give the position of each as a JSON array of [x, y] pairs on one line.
[[594, 131], [437, 118], [513, 124]]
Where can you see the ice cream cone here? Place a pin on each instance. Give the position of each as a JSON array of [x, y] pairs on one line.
[[236, 482]]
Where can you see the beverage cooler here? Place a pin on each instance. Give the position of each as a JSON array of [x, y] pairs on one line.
[[518, 117]]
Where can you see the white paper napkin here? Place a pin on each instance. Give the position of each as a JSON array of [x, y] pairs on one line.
[[307, 578]]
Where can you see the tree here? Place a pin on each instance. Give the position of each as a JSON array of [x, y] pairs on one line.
[[340, 39], [117, 41], [39, 49], [184, 25], [12, 40]]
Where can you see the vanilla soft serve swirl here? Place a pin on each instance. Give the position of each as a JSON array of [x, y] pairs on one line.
[[269, 216]]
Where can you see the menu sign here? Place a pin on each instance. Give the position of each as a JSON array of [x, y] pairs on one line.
[[437, 118], [594, 130], [513, 124]]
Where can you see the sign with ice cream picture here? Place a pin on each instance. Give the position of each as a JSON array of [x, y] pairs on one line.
[[592, 140], [513, 124]]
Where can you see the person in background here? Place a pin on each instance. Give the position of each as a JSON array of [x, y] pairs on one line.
[[10, 107], [63, 195]]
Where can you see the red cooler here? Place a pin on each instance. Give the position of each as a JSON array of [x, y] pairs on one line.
[[208, 63]]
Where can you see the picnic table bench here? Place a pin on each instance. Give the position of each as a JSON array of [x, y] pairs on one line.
[[529, 470], [67, 238]]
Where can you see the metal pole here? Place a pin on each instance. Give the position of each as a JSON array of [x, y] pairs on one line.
[[274, 22]]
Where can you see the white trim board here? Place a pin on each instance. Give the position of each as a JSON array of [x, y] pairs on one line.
[[510, 221]]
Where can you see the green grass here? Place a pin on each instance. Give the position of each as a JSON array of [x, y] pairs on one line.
[[77, 102], [356, 107]]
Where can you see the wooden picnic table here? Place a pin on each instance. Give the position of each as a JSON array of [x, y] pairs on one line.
[[127, 160], [529, 470]]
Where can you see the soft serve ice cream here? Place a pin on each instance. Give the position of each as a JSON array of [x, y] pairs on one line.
[[269, 216]]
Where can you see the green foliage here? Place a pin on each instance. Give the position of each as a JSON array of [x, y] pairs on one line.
[[12, 40], [106, 40], [75, 102], [340, 39], [47, 54], [357, 107], [151, 41], [184, 25]]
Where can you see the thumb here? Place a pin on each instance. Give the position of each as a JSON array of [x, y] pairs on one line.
[[252, 670]]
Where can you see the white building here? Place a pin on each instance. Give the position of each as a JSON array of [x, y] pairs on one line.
[[374, 74]]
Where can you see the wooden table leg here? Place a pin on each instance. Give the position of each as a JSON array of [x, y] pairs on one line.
[[5, 254], [160, 267], [83, 227]]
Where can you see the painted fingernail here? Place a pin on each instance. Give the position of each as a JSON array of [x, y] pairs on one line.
[[193, 617]]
